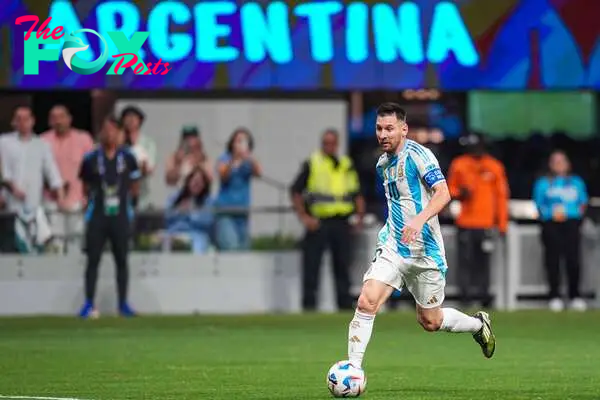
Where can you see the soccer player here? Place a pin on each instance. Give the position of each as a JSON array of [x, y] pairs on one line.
[[410, 250]]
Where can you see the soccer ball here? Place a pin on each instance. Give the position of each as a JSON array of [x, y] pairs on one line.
[[344, 379]]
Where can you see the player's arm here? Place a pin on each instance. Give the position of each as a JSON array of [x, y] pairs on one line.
[[439, 200], [430, 173], [433, 178]]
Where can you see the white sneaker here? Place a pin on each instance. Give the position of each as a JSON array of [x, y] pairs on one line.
[[556, 305], [578, 304]]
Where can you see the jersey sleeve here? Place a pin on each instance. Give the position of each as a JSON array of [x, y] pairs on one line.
[[428, 167]]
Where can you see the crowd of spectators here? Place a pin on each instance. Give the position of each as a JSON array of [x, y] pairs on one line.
[[41, 185], [43, 199]]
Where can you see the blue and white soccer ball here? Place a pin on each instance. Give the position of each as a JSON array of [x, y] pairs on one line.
[[344, 379]]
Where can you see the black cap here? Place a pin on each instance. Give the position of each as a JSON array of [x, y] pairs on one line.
[[189, 131], [133, 110], [471, 139]]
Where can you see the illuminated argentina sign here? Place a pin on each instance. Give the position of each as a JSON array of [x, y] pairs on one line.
[[308, 45], [224, 31]]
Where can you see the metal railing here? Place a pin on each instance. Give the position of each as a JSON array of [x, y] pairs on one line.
[[145, 221]]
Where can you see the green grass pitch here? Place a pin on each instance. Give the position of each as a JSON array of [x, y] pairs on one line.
[[540, 356]]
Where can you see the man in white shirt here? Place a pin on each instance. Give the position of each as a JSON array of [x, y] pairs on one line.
[[27, 162]]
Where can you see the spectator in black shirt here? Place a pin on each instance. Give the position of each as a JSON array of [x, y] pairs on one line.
[[110, 176]]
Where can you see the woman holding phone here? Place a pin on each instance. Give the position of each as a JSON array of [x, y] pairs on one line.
[[235, 168], [189, 156]]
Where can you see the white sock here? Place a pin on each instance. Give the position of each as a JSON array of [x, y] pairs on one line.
[[456, 321], [359, 335]]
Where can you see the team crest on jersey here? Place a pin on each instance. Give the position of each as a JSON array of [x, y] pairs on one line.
[[392, 174], [401, 169]]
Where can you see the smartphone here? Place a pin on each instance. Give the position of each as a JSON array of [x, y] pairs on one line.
[[185, 147]]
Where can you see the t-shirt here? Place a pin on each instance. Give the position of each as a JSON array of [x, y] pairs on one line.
[[101, 173], [235, 190], [560, 195]]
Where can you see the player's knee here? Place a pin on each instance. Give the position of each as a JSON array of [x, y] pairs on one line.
[[429, 323], [367, 304]]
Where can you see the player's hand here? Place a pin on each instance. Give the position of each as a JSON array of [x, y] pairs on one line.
[[310, 223], [412, 230]]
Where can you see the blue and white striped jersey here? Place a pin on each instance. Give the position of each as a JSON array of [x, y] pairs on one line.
[[408, 178]]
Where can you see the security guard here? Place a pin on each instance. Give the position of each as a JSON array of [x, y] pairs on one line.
[[325, 194]]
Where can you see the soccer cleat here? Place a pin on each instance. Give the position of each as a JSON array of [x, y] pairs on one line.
[[485, 337], [88, 311], [126, 311]]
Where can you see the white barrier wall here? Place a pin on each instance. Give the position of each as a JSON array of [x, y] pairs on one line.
[[260, 282], [160, 284]]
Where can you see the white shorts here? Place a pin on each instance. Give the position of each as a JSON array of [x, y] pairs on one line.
[[421, 276]]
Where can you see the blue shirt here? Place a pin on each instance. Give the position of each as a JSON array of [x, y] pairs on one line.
[[235, 190], [198, 218], [565, 193]]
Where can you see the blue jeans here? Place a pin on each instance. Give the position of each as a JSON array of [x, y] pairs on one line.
[[232, 233], [200, 238]]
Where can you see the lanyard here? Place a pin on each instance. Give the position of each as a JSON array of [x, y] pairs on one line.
[[102, 167]]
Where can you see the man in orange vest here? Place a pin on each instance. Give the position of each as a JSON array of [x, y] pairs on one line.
[[478, 181]]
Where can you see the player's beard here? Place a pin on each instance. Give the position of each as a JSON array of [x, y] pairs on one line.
[[395, 146]]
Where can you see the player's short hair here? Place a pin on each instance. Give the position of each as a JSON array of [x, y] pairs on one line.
[[391, 109]]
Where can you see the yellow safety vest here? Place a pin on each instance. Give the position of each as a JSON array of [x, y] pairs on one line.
[[330, 188]]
